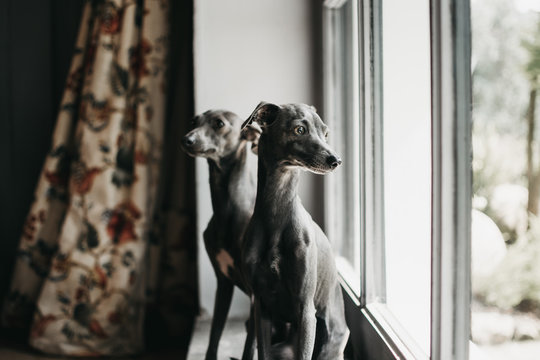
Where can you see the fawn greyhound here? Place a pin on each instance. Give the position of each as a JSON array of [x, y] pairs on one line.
[[216, 136], [287, 259]]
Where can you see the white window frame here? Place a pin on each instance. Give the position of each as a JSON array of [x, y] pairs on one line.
[[343, 223], [452, 179], [374, 331]]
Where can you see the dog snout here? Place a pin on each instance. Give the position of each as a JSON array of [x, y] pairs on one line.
[[333, 161], [188, 140]]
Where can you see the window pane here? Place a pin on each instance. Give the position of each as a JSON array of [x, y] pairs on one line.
[[407, 164], [505, 319], [342, 116]]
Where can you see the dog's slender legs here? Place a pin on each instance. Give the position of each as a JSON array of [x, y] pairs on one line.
[[307, 325], [249, 346], [264, 332], [222, 304]]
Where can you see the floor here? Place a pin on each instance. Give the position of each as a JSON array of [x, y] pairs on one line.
[[233, 341], [27, 354], [231, 344], [18, 352]]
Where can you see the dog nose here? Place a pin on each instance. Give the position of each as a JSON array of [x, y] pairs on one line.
[[188, 140], [333, 161]]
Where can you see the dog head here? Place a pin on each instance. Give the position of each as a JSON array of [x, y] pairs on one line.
[[293, 135], [215, 134]]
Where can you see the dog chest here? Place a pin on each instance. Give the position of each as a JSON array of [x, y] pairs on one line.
[[275, 298]]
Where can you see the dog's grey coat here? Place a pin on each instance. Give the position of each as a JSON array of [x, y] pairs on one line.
[[287, 259]]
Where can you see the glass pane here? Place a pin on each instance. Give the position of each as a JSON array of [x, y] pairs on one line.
[[343, 219], [407, 164], [505, 321]]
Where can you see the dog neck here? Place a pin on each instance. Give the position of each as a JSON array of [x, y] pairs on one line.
[[277, 188], [223, 175]]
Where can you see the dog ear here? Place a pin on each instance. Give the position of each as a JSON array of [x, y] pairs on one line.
[[252, 133], [264, 114]]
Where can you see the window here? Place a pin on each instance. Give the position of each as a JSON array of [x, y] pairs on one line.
[[397, 101], [406, 138], [505, 314], [342, 101]]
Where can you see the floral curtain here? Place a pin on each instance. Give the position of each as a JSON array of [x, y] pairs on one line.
[[87, 263]]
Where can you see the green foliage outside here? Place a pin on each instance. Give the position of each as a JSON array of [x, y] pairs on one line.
[[516, 283], [506, 68]]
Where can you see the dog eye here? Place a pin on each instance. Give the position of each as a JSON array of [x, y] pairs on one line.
[[326, 135], [219, 124], [299, 130]]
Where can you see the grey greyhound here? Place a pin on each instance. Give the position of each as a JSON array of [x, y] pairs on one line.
[[216, 136], [287, 259]]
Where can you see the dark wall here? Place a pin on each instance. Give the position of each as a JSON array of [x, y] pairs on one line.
[[36, 42]]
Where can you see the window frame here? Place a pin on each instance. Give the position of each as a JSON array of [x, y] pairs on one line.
[[452, 178], [335, 100], [374, 333]]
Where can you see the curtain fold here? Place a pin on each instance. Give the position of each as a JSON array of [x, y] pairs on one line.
[[88, 258]]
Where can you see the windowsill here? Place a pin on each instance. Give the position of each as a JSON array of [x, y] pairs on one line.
[[392, 333], [349, 279]]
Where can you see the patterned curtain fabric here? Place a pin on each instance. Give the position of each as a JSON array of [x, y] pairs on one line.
[[87, 264]]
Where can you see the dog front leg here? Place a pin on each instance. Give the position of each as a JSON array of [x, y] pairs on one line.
[[222, 304], [307, 325], [264, 332], [249, 346]]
